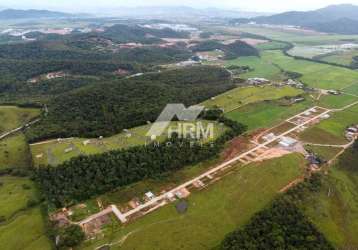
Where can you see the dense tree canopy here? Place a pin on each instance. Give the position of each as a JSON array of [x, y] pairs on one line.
[[282, 225], [87, 176], [108, 108], [83, 55], [232, 50]]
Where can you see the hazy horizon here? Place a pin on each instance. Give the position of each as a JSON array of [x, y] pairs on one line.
[[106, 5]]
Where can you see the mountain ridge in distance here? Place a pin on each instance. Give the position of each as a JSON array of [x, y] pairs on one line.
[[32, 13], [341, 19]]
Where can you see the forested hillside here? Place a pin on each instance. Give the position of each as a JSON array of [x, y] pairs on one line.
[[98, 54], [86, 176], [282, 225], [232, 50], [108, 108], [124, 34]]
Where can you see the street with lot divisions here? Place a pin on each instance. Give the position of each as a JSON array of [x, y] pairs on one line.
[[316, 114]]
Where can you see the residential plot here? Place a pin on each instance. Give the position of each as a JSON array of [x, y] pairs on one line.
[[135, 192], [332, 131], [267, 113], [337, 101], [211, 213]]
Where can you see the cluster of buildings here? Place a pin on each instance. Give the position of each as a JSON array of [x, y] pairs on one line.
[[294, 83], [285, 141], [258, 81], [54, 75], [176, 27], [48, 76], [333, 92], [204, 56], [352, 132], [22, 33], [188, 63], [148, 196]]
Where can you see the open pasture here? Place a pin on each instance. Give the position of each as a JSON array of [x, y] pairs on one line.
[[263, 67], [334, 210], [273, 45], [315, 75], [13, 117], [25, 232], [266, 114], [295, 35], [344, 58], [351, 89], [239, 97], [55, 152], [336, 101], [324, 153], [273, 63], [15, 192], [14, 152]]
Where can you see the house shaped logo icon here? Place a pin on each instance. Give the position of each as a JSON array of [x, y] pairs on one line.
[[171, 111]]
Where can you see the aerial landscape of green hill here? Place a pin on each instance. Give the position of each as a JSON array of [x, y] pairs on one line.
[[178, 127]]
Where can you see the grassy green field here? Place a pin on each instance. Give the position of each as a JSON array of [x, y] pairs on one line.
[[351, 89], [271, 45], [336, 101], [14, 152], [15, 192], [23, 227], [123, 195], [53, 153], [266, 114], [315, 75], [26, 232], [239, 97], [325, 153], [344, 58], [299, 37], [331, 131], [307, 51], [263, 67], [212, 213], [12, 117], [334, 210]]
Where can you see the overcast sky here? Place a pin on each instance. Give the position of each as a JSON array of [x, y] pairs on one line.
[[248, 5]]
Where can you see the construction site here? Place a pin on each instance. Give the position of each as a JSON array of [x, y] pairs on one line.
[[275, 142]]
